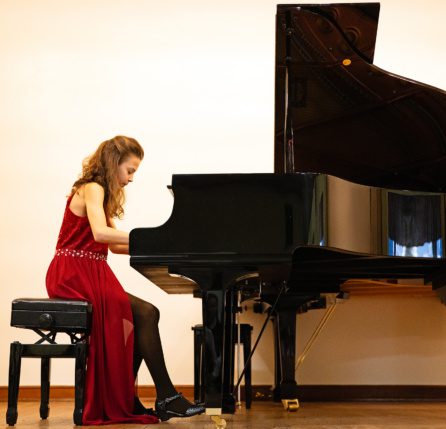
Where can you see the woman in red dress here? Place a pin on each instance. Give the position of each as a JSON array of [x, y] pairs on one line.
[[124, 327]]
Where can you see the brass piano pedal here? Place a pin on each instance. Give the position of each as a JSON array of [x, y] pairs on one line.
[[291, 405], [219, 422]]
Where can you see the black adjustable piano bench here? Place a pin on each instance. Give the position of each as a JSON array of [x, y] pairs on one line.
[[245, 340], [48, 317]]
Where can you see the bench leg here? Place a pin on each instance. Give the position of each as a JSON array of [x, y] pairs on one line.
[[15, 357], [79, 382], [45, 369]]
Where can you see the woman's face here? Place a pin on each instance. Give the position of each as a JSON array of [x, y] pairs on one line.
[[127, 169]]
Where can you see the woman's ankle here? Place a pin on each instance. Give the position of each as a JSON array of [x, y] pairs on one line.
[[166, 393]]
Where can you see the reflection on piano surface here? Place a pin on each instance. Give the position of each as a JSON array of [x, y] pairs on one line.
[[358, 192]]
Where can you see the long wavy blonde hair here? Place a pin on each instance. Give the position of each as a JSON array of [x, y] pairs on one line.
[[102, 167]]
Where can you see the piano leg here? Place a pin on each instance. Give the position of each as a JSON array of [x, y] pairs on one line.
[[217, 328], [228, 356], [285, 354]]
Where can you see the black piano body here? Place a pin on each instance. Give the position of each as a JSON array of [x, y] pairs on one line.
[[342, 127]]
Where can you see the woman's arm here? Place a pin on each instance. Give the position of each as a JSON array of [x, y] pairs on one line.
[[94, 203], [122, 249]]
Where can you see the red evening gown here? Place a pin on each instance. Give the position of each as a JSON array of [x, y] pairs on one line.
[[79, 270]]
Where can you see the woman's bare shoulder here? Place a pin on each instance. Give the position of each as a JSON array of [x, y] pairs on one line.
[[93, 187]]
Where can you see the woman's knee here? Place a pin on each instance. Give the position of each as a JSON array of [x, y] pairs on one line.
[[148, 312], [143, 310], [152, 311]]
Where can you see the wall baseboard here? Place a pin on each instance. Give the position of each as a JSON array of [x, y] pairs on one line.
[[358, 393], [307, 393], [62, 393]]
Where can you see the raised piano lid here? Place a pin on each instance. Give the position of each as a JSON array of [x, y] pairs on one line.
[[337, 113]]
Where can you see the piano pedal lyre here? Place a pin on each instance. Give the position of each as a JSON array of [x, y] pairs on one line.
[[219, 422], [291, 405]]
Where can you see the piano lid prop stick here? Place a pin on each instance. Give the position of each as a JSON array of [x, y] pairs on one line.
[[288, 126], [268, 317], [322, 323]]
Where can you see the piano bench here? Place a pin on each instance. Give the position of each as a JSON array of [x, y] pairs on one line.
[[47, 318], [245, 340]]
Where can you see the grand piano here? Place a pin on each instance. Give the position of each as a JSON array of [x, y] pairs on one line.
[[358, 192]]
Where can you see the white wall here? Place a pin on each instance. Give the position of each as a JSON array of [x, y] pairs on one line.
[[194, 83]]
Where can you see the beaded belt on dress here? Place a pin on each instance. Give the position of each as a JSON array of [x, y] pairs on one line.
[[81, 254]]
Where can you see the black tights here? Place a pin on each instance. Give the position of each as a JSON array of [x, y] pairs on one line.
[[148, 347]]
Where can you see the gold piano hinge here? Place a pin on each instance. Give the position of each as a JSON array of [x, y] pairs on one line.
[[290, 404]]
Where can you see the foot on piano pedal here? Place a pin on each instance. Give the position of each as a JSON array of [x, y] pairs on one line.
[[219, 422], [291, 405]]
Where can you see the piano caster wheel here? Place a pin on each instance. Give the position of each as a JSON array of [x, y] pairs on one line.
[[219, 422], [291, 405]]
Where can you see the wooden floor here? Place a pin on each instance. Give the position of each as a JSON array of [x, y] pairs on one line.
[[268, 415]]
